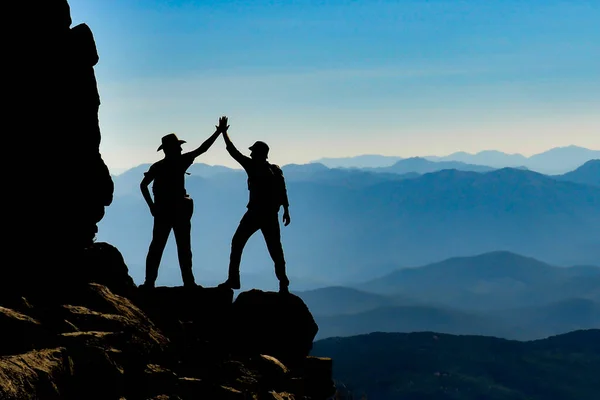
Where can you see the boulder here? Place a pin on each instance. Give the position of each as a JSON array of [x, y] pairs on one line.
[[275, 324]]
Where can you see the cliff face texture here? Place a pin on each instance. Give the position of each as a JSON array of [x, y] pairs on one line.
[[74, 325], [56, 183]]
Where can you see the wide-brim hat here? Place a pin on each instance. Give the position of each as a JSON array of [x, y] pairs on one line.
[[170, 140]]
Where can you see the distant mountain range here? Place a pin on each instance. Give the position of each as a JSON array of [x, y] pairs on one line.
[[350, 225], [498, 293], [422, 166], [127, 182], [430, 365], [554, 161]]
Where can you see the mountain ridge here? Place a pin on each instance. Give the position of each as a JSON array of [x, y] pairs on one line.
[[426, 365]]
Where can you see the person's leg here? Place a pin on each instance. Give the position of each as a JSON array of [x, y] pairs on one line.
[[247, 227], [182, 228], [160, 235], [271, 232]]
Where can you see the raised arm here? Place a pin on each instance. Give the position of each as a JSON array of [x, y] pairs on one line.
[[231, 149], [206, 145]]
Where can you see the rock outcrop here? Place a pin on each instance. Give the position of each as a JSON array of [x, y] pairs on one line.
[[87, 341]]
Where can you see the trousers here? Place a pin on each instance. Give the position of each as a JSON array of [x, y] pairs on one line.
[[268, 223], [175, 216]]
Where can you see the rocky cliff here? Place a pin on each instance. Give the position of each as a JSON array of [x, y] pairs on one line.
[[56, 185], [111, 340]]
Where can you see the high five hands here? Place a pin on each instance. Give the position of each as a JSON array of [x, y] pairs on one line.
[[222, 127]]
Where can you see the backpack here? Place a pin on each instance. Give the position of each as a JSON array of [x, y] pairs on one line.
[[278, 184]]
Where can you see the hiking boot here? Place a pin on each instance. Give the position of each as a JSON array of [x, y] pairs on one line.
[[284, 287], [231, 283], [146, 285]]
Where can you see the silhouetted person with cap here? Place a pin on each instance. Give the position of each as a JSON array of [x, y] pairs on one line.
[[172, 207], [268, 193]]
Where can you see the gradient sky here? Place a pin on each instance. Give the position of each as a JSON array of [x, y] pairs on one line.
[[340, 78]]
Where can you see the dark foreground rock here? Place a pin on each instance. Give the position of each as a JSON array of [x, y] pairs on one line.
[[89, 342], [272, 323]]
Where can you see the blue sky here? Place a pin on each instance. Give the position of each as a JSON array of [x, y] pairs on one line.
[[339, 78]]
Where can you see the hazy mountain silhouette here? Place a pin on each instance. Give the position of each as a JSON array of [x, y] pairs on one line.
[[561, 159], [362, 161], [303, 171], [558, 317], [373, 228], [421, 165], [522, 323], [128, 181], [495, 280], [411, 319], [351, 178], [498, 293], [336, 300], [587, 174], [427, 365], [492, 158], [558, 160]]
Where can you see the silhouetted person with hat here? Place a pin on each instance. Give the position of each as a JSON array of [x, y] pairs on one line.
[[268, 193], [171, 207]]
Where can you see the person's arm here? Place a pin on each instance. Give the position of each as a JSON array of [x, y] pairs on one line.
[[286, 207], [231, 149], [148, 177], [206, 145]]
